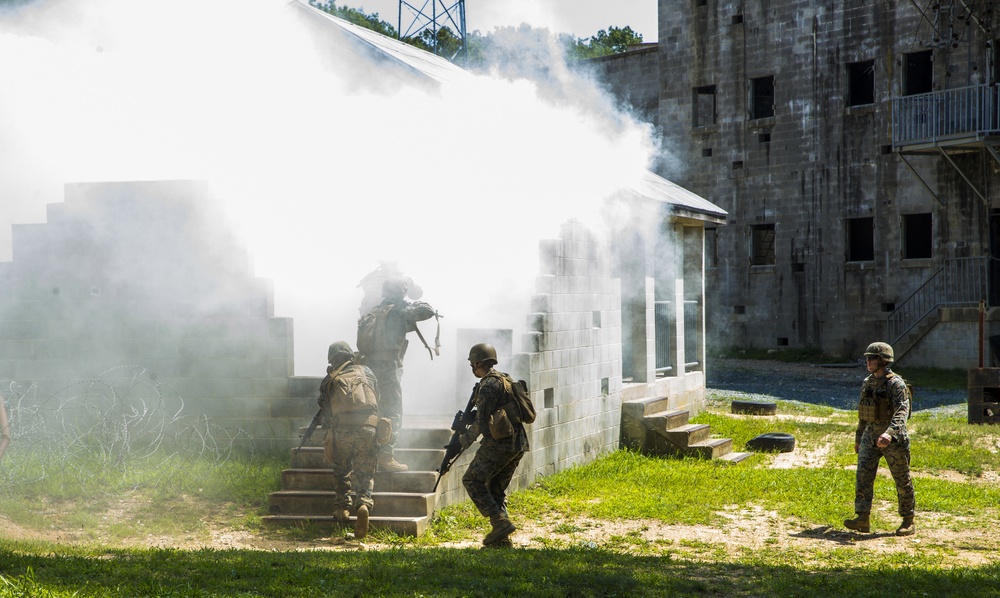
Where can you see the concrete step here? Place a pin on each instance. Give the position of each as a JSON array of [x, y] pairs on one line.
[[637, 409], [712, 448], [403, 526], [321, 503], [418, 459], [734, 457], [323, 479], [687, 434]]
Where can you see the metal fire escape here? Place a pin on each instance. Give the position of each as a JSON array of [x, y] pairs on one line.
[[948, 123], [433, 17]]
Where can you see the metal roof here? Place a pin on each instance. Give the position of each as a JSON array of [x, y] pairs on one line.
[[684, 202]]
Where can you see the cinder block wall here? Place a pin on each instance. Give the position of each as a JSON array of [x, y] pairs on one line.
[[634, 78], [138, 281]]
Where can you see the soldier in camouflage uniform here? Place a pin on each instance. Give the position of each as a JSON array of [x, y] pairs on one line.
[[883, 409], [349, 403], [504, 444], [387, 361]]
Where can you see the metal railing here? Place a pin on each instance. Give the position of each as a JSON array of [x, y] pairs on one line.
[[662, 331], [959, 281], [931, 117]]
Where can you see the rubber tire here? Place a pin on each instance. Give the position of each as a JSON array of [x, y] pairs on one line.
[[772, 441], [755, 407]]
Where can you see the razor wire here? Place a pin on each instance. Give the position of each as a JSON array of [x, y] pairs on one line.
[[120, 420]]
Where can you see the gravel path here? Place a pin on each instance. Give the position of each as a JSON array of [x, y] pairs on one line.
[[835, 385]]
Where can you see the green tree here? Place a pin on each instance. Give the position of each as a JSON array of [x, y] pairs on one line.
[[613, 40], [353, 15]]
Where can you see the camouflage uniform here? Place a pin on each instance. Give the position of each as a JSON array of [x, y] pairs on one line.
[[388, 362], [493, 466], [884, 407], [371, 284], [349, 445]]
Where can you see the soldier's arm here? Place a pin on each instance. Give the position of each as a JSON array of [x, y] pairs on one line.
[[490, 390], [900, 408], [419, 311]]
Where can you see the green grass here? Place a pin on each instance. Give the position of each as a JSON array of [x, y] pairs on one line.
[[600, 520]]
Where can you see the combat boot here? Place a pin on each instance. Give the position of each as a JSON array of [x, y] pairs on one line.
[[505, 542], [906, 528], [341, 515], [859, 523], [388, 463], [361, 523], [502, 527]]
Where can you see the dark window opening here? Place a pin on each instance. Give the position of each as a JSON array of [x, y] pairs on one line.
[[738, 165], [762, 97], [888, 307], [764, 138], [860, 239], [704, 106], [711, 247], [782, 341], [762, 245], [706, 153], [549, 398], [861, 83], [798, 267], [918, 73], [885, 150], [740, 310], [737, 19], [917, 236]]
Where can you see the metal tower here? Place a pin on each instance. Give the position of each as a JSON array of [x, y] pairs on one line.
[[433, 16]]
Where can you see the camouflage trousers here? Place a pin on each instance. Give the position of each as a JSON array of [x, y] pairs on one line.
[[488, 476], [390, 399], [897, 457], [351, 450]]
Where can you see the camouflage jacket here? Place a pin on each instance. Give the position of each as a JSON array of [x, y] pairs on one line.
[[400, 320], [884, 405], [488, 396]]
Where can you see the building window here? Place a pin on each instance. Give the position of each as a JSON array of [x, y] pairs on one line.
[[762, 245], [704, 106], [711, 247], [860, 239], [861, 83], [917, 236], [762, 97], [918, 73]]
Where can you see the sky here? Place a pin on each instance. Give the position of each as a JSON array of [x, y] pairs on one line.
[[321, 177], [582, 18]]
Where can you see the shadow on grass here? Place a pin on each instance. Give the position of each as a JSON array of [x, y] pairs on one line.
[[837, 536], [450, 572]]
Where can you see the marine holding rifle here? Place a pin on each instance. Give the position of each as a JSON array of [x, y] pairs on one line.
[[349, 406], [504, 442]]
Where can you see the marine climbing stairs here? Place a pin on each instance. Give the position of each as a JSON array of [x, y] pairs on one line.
[[404, 501], [651, 427]]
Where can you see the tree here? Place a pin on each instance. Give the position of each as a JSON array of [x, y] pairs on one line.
[[614, 40], [357, 17]]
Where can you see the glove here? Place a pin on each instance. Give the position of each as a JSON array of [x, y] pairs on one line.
[[466, 440]]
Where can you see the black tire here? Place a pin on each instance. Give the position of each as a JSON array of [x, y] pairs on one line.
[[772, 442], [755, 407]]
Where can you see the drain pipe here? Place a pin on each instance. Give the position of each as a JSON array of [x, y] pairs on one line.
[[982, 332]]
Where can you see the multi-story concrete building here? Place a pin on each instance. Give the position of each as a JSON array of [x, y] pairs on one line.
[[853, 145]]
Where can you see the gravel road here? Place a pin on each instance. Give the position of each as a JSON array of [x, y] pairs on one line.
[[835, 385]]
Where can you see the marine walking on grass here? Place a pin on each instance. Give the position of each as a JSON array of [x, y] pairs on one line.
[[498, 420], [883, 409]]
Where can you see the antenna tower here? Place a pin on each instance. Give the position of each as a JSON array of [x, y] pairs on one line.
[[433, 16]]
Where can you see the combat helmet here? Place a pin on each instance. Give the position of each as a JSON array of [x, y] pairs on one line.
[[339, 352], [394, 288], [881, 350], [482, 352]]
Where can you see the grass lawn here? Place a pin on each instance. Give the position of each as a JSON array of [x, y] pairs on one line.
[[623, 525]]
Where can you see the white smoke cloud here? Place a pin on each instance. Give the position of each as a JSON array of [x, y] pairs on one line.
[[321, 177]]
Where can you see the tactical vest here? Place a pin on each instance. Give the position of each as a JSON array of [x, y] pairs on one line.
[[350, 398], [875, 404]]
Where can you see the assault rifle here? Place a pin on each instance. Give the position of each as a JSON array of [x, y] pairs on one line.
[[459, 425], [312, 428]]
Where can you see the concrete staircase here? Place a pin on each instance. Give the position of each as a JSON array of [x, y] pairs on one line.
[[652, 428], [404, 501]]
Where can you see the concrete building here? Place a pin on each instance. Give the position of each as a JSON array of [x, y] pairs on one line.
[[136, 290], [853, 146]]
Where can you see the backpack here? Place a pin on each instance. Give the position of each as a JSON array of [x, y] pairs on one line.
[[349, 391], [371, 330], [518, 389]]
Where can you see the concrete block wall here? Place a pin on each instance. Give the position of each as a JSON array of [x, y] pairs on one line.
[[634, 78], [140, 277], [572, 356]]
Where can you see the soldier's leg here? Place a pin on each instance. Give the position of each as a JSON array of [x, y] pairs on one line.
[[477, 479], [365, 459], [390, 405], [864, 483], [337, 447], [501, 480], [897, 457]]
